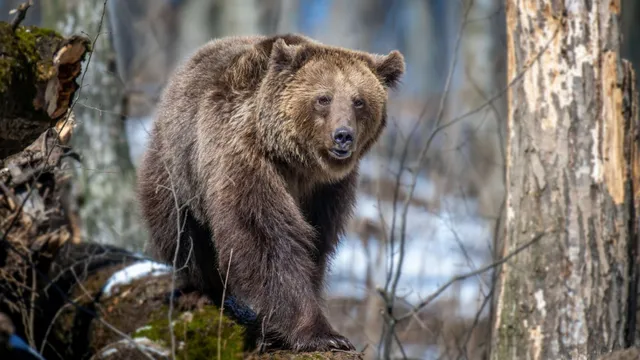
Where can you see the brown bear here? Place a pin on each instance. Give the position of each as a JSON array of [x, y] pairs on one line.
[[257, 141]]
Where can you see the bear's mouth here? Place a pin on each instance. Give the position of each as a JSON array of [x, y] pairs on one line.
[[340, 154]]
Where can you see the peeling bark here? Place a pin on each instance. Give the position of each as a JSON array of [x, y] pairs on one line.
[[572, 172]]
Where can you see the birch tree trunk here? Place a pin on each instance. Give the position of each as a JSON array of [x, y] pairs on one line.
[[572, 174]]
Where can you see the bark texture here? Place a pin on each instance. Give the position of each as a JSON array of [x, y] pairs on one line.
[[572, 173]]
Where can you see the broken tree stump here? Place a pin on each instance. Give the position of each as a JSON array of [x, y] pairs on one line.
[[38, 69]]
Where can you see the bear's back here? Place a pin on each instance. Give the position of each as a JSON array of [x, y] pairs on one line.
[[204, 93], [225, 70]]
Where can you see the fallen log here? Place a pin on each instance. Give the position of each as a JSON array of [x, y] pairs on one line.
[[73, 299]]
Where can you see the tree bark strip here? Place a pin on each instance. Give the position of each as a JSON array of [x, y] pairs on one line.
[[572, 172]]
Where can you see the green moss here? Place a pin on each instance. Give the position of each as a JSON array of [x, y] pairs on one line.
[[5, 71], [26, 54], [28, 39], [9, 56], [196, 334]]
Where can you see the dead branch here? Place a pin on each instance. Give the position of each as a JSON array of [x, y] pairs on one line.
[[21, 12]]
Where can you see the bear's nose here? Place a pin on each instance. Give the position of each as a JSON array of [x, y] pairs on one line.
[[343, 137]]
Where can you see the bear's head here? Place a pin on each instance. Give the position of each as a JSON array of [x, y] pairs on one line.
[[325, 106]]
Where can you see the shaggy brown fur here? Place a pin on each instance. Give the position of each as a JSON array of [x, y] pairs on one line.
[[244, 143]]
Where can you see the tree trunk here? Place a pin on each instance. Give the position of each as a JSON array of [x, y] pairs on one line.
[[572, 175], [105, 179]]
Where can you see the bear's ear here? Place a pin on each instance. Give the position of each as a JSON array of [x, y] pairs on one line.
[[389, 68], [283, 56]]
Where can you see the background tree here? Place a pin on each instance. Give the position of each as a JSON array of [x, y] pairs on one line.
[[572, 175], [106, 178]]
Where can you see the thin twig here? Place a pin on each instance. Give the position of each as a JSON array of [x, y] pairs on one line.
[[32, 309], [391, 293], [10, 195], [404, 354], [224, 291], [476, 320], [497, 117], [464, 276], [396, 194], [50, 327], [179, 229]]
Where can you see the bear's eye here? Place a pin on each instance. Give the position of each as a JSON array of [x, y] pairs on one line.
[[324, 100], [358, 103]]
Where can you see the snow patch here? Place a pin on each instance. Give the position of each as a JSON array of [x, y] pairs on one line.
[[134, 272], [435, 248]]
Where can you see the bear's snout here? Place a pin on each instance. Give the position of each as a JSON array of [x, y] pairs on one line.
[[343, 138], [343, 142]]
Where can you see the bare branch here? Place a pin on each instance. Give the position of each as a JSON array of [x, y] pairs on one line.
[[224, 291], [21, 13], [464, 276], [393, 280], [179, 229]]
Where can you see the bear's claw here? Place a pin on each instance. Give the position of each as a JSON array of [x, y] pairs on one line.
[[325, 342]]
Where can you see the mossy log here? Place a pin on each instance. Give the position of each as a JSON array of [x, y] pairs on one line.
[[130, 319], [52, 284], [38, 69], [127, 320]]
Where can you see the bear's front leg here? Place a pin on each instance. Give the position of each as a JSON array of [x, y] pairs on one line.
[[328, 210], [267, 246]]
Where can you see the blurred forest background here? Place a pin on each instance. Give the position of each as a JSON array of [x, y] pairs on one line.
[[444, 144]]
